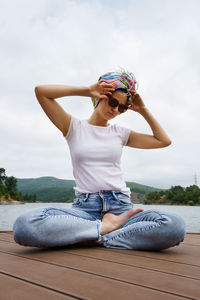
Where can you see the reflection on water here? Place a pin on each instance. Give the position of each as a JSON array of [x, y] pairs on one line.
[[191, 214]]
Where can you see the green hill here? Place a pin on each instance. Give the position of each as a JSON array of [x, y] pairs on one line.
[[140, 188], [51, 189], [31, 185], [47, 189]]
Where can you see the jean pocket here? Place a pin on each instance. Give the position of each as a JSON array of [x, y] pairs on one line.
[[123, 199], [78, 201]]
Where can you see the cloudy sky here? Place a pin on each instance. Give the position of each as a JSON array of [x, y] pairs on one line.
[[74, 42]]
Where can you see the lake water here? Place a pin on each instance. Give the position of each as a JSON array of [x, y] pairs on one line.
[[9, 213]]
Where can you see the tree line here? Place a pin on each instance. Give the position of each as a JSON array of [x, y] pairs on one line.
[[8, 189], [175, 195]]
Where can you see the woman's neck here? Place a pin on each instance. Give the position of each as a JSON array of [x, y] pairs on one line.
[[97, 120]]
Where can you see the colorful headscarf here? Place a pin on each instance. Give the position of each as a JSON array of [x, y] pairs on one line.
[[120, 79]]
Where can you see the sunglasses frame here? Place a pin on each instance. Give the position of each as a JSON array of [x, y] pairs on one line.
[[114, 103]]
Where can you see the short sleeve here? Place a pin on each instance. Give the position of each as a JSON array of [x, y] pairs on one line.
[[124, 133], [72, 127]]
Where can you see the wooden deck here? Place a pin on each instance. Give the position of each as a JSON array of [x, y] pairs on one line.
[[28, 273]]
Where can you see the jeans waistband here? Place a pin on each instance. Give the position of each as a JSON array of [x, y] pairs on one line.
[[99, 192]]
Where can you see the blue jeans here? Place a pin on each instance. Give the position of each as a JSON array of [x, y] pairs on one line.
[[81, 224]]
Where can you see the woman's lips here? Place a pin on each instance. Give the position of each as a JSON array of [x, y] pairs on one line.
[[111, 114]]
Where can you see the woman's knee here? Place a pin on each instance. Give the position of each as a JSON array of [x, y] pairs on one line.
[[25, 228], [20, 229], [169, 230], [174, 229]]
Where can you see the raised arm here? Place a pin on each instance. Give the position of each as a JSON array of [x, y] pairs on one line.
[[46, 95], [159, 139]]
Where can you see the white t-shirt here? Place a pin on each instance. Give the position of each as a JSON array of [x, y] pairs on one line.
[[96, 153]]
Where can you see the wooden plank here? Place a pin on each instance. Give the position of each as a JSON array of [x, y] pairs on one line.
[[192, 240], [186, 253], [6, 237], [158, 280], [195, 233], [181, 254], [181, 269], [160, 265], [76, 283], [13, 289]]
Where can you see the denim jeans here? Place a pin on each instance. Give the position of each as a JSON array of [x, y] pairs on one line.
[[81, 224]]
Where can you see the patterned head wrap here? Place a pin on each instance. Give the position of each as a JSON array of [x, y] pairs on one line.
[[121, 79]]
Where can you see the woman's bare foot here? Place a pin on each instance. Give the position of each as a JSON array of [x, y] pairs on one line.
[[112, 222]]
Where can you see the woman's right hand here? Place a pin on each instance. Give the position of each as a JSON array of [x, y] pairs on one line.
[[100, 88]]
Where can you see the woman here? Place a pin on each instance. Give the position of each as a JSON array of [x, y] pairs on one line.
[[102, 212]]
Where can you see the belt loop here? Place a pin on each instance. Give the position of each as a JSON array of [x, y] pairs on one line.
[[86, 196], [101, 193], [114, 195]]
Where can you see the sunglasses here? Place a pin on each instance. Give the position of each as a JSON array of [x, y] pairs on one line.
[[114, 103]]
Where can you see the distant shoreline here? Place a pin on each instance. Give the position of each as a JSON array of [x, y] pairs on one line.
[[12, 201], [4, 202]]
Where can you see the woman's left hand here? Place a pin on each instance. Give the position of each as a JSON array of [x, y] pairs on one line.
[[137, 104]]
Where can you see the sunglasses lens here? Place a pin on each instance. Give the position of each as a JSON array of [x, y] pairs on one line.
[[113, 102], [122, 108]]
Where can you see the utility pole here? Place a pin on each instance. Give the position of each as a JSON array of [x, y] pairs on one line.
[[195, 179]]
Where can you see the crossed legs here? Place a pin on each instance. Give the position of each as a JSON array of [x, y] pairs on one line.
[[134, 229]]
